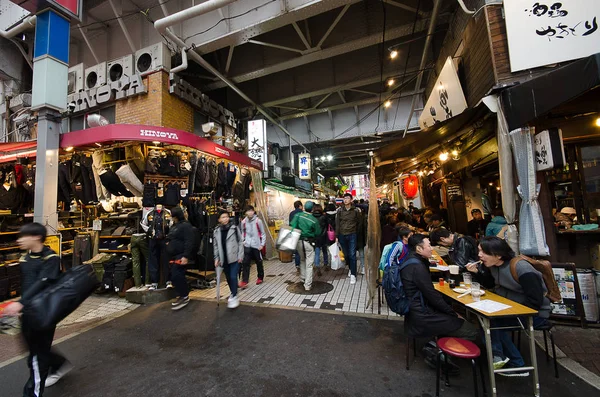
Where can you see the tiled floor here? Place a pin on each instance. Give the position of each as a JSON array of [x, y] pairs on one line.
[[344, 296]]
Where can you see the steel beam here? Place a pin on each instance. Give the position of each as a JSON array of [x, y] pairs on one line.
[[229, 58], [280, 47], [405, 7], [333, 25], [368, 41]]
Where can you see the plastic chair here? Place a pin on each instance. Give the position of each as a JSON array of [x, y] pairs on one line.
[[459, 348]]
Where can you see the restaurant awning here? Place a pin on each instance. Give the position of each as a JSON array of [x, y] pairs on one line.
[[527, 101], [113, 133], [11, 151]]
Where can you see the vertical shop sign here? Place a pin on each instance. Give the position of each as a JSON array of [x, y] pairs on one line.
[[549, 149], [447, 98], [257, 141], [304, 163], [544, 32]]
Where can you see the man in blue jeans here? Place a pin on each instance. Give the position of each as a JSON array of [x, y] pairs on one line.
[[347, 223], [298, 208]]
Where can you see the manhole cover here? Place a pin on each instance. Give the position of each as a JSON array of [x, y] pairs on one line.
[[318, 287]]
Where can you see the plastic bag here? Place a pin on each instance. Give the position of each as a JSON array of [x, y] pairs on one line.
[[336, 261], [287, 240]]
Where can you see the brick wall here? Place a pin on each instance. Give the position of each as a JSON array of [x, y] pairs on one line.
[[157, 107]]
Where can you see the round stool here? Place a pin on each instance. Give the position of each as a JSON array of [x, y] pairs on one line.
[[459, 348]]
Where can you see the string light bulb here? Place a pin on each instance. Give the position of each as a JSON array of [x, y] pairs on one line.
[[387, 104]]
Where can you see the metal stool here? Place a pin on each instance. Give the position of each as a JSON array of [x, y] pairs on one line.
[[459, 348], [414, 344]]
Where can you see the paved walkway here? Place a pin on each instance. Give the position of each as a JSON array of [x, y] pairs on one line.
[[203, 350], [581, 345]]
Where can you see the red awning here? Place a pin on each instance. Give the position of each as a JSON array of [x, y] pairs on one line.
[[11, 151], [144, 133]]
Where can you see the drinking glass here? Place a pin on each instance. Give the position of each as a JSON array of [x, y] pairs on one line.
[[467, 278], [475, 291]]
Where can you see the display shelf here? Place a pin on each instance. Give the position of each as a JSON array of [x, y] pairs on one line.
[[109, 237], [113, 251]]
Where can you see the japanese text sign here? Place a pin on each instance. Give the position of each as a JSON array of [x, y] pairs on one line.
[[257, 141], [545, 32], [304, 165]]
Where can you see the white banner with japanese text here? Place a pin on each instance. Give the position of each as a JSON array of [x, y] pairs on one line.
[[304, 165], [257, 142]]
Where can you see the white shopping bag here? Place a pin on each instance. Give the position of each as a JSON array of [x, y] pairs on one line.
[[287, 239], [336, 261]]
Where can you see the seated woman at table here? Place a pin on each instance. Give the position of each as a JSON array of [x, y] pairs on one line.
[[529, 290], [429, 315]]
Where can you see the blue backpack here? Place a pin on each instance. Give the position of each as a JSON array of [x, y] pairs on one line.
[[393, 288]]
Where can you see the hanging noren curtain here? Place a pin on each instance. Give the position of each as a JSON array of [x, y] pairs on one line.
[[373, 238]]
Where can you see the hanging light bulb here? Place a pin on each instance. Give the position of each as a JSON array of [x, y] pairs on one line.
[[455, 155], [391, 82], [444, 156], [421, 173], [387, 104]]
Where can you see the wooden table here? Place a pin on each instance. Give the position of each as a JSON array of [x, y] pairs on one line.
[[484, 318], [437, 257]]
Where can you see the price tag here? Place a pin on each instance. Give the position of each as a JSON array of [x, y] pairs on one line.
[[97, 226]]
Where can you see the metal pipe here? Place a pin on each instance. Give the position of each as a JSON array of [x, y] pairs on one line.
[[123, 27], [434, 14], [27, 23], [163, 7], [85, 38], [184, 62], [162, 24]]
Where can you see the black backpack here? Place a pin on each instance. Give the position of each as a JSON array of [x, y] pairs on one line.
[[393, 288]]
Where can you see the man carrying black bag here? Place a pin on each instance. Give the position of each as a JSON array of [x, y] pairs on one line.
[[40, 266]]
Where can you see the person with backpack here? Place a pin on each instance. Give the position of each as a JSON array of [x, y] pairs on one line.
[[180, 248], [428, 314], [40, 266], [229, 253], [255, 240], [463, 249], [514, 278]]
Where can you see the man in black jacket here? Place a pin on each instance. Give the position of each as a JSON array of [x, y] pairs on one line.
[[477, 225], [429, 315], [180, 247], [463, 249], [39, 267]]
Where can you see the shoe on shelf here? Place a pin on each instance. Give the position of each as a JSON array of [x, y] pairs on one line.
[[170, 284], [56, 376], [352, 279], [259, 281], [233, 302], [180, 303], [500, 362], [153, 287], [243, 285]]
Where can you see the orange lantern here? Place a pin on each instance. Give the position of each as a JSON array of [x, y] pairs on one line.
[[410, 187]]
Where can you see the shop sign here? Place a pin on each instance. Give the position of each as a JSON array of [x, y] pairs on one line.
[[190, 94], [257, 141], [159, 134], [549, 149], [125, 87], [304, 169], [447, 98], [294, 181], [544, 32]]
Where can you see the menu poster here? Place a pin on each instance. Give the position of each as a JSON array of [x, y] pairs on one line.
[[454, 191], [565, 278]]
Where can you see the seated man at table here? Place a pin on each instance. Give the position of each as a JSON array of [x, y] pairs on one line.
[[528, 289], [429, 315], [463, 249]]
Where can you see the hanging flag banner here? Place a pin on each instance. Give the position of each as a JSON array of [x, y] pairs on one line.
[[447, 98], [257, 142], [544, 32], [304, 162]]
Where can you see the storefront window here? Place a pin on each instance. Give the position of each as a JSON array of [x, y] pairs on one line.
[[590, 157], [78, 122]]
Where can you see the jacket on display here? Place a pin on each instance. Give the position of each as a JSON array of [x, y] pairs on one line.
[[200, 174], [130, 180], [429, 314], [113, 184], [64, 182], [254, 233], [233, 251], [97, 167], [172, 194], [149, 195], [347, 220], [212, 173], [231, 173], [180, 241], [156, 224], [464, 250]]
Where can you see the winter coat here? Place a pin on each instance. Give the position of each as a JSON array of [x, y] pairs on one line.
[[388, 236], [180, 241], [37, 272], [322, 240], [294, 213], [465, 249], [495, 226], [475, 227], [429, 314], [253, 232], [234, 248], [361, 233], [347, 220], [308, 224]]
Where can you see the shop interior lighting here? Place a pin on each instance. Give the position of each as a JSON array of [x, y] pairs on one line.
[[598, 121], [391, 82], [370, 153], [156, 143], [69, 149], [98, 144], [444, 156], [455, 155], [387, 104], [498, 188], [421, 173], [491, 183], [329, 157], [393, 54]]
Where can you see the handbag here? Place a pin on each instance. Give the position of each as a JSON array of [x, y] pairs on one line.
[[61, 298], [288, 238], [330, 233]]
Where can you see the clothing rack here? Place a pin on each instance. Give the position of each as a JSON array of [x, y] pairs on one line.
[[166, 179]]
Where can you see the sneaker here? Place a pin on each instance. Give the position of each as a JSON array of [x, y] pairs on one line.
[[233, 302], [499, 362], [520, 373], [352, 279], [242, 285], [56, 376], [173, 303], [259, 281], [170, 284], [307, 289], [349, 273], [180, 303], [153, 287]]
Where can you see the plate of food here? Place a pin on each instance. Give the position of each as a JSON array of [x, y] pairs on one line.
[[460, 290]]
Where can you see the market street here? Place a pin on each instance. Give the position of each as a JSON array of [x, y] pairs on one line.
[[257, 351]]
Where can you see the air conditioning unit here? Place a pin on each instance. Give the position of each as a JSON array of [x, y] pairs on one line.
[[120, 67], [95, 76], [153, 58], [75, 81]]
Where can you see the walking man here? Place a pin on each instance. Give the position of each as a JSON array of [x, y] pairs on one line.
[[180, 247], [255, 240], [310, 230], [347, 223], [39, 267], [298, 208]]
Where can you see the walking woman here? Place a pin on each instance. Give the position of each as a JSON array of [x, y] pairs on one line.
[[229, 253]]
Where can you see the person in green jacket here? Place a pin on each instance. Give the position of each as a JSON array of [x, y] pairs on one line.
[[310, 228]]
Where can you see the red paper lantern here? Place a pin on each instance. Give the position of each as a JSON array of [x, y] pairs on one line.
[[410, 187]]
